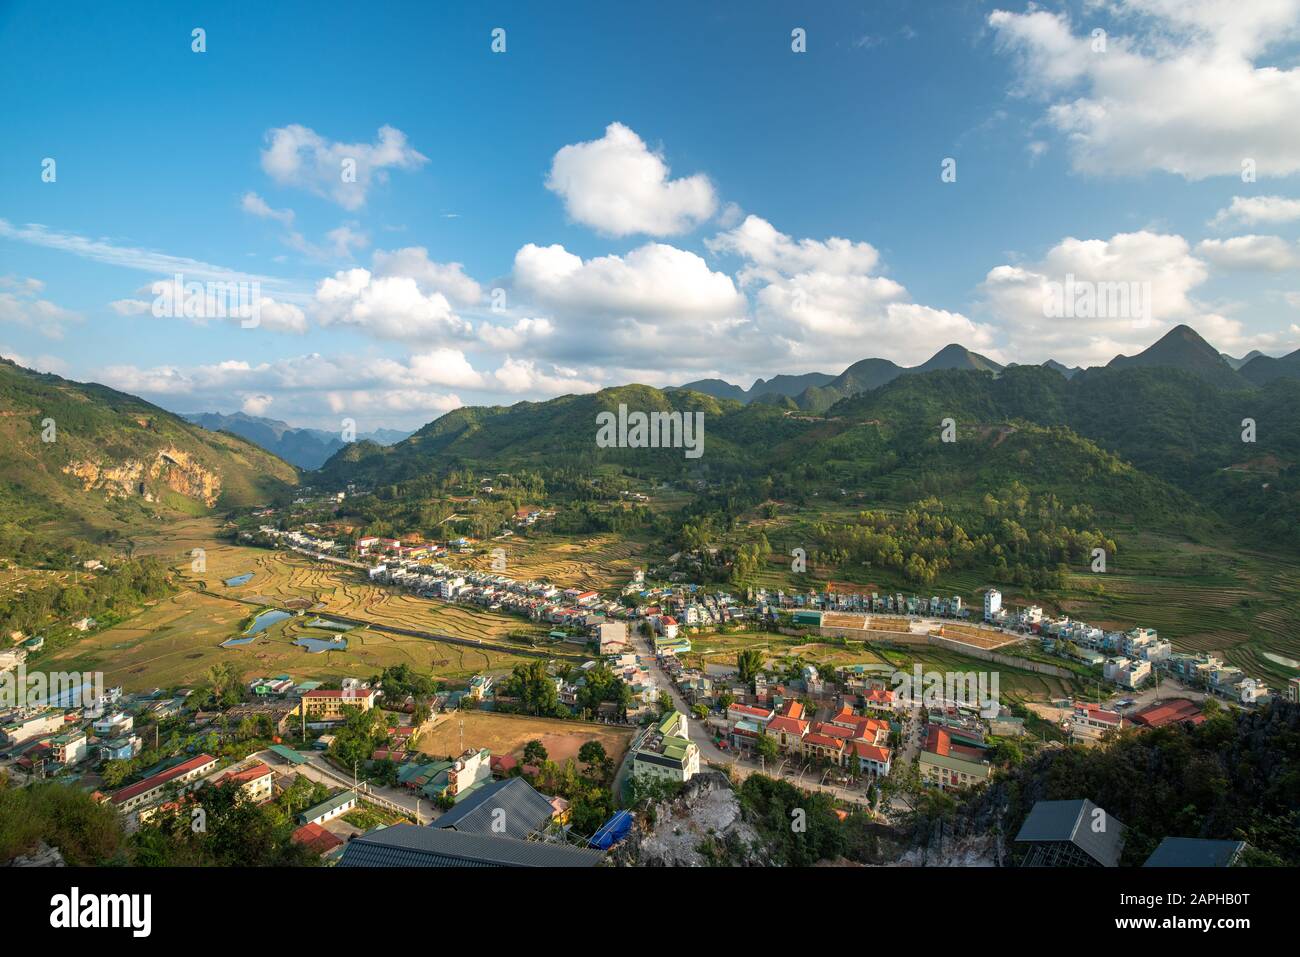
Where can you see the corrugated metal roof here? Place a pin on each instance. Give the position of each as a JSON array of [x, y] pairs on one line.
[[1073, 821], [1194, 852], [523, 810], [407, 845]]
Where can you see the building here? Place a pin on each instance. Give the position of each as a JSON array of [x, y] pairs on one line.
[[407, 845], [69, 748], [335, 806], [256, 780], [334, 705], [1173, 711], [511, 806], [1195, 852], [667, 753], [1069, 834], [992, 604], [113, 725], [1088, 724], [612, 636], [947, 765], [316, 838], [179, 779], [32, 726]]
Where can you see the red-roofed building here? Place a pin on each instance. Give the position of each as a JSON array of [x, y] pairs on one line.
[[1174, 711], [746, 712], [503, 764], [255, 780], [824, 746], [880, 699], [792, 708], [874, 760], [316, 838], [788, 731], [1089, 723], [183, 777], [950, 765]]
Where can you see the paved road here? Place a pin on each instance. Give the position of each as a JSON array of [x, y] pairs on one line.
[[319, 770]]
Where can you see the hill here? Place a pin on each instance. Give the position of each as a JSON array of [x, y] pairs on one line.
[[88, 458], [1262, 369], [1183, 348]]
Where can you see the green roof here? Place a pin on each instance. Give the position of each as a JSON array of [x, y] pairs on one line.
[[289, 754], [328, 805]]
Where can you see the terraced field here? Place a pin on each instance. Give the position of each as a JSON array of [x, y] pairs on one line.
[[598, 562]]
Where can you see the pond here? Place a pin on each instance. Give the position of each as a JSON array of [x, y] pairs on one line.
[[265, 620], [317, 645]]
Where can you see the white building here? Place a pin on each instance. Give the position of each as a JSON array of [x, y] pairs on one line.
[[992, 604]]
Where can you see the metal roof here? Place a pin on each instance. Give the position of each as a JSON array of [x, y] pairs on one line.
[[1194, 852], [523, 810], [1073, 821], [407, 845]]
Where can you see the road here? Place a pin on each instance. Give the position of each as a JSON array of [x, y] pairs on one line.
[[319, 770], [730, 761]]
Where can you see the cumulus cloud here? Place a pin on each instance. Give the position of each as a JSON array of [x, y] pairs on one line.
[[1153, 275], [1183, 89], [341, 172], [820, 300], [655, 282], [1257, 210], [446, 278], [618, 186], [255, 205], [389, 307], [1268, 253], [21, 305]]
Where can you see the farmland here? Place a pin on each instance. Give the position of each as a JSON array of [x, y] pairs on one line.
[[507, 734], [598, 562]]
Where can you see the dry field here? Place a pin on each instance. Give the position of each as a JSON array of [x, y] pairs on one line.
[[508, 733], [597, 562]]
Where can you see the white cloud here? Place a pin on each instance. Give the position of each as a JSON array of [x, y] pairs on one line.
[[818, 300], [654, 282], [23, 307], [1159, 271], [618, 186], [1185, 91], [128, 257], [38, 363], [389, 307], [446, 278], [1255, 210], [341, 172], [256, 404], [1270, 253], [255, 205]]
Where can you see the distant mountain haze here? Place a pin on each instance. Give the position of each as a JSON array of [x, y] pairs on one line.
[[305, 448]]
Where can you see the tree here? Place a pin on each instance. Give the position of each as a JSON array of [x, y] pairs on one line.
[[767, 748], [749, 661], [535, 753], [594, 756], [665, 702]]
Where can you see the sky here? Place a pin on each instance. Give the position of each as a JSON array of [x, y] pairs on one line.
[[437, 205]]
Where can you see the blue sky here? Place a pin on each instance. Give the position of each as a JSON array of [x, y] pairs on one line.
[[649, 194]]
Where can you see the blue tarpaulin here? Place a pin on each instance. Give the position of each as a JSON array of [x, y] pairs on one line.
[[612, 831]]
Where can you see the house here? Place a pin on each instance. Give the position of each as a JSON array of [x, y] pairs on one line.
[[872, 758], [949, 765], [334, 806], [180, 778], [1293, 690], [408, 845], [1069, 834], [667, 753], [788, 732], [68, 748], [612, 636], [255, 779], [1195, 852], [1088, 724], [120, 749], [113, 725], [32, 726], [315, 838], [511, 806]]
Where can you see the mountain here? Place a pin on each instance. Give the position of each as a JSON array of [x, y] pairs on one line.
[[1238, 363], [868, 374], [1068, 371], [305, 448], [1263, 369], [1183, 348], [779, 385], [94, 459]]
